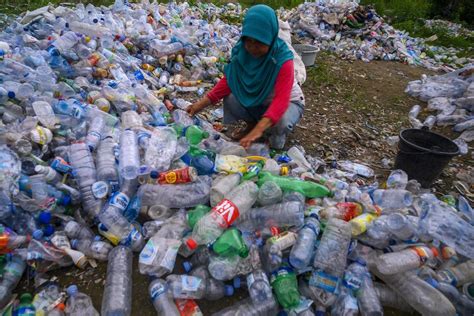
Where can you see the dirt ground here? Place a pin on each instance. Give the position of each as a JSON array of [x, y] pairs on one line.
[[351, 108]]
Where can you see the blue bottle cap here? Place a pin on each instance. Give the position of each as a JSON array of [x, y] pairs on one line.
[[44, 217], [66, 200], [228, 290], [48, 230], [154, 174], [37, 234], [432, 282], [72, 290], [95, 20], [237, 282], [74, 243], [11, 94], [187, 266]]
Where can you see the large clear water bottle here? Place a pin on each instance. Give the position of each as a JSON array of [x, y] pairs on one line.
[[260, 290], [284, 214], [162, 299], [248, 308], [93, 248], [117, 225], [186, 286], [330, 259], [458, 275], [425, 299], [117, 297], [405, 260], [215, 289], [105, 158], [82, 162], [129, 161], [358, 278], [75, 230], [392, 199], [95, 131], [13, 272], [158, 257], [303, 250]]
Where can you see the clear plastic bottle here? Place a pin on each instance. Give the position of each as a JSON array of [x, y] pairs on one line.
[[258, 285], [405, 260], [458, 275], [38, 188], [186, 286], [358, 277], [105, 158], [397, 179], [389, 298], [79, 303], [117, 297], [238, 201], [13, 272], [248, 308], [158, 257], [95, 131], [85, 174], [75, 230], [297, 156], [419, 294], [93, 248], [222, 186], [392, 199], [50, 175], [215, 289], [162, 299], [284, 214], [401, 226], [161, 149], [117, 225], [269, 193], [224, 268], [304, 247], [129, 155], [330, 259]]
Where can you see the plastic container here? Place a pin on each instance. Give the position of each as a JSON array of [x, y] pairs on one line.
[[307, 53]]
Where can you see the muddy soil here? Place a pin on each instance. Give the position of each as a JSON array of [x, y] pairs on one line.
[[351, 108]]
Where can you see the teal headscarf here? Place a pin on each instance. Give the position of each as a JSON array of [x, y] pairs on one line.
[[252, 79]]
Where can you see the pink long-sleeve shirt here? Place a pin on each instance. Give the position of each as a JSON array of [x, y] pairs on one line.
[[282, 92]]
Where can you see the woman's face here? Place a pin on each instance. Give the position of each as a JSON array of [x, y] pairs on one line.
[[255, 48]]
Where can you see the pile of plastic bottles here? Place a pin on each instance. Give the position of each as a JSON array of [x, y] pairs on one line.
[[451, 97], [356, 32], [99, 160], [452, 28]]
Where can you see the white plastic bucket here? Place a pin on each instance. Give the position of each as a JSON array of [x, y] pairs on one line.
[[307, 53]]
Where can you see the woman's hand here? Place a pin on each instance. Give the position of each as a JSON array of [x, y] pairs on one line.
[[256, 132], [250, 138], [198, 106]]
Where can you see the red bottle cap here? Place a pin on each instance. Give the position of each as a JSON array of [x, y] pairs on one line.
[[191, 243]]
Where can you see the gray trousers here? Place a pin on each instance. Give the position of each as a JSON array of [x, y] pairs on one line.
[[235, 111]]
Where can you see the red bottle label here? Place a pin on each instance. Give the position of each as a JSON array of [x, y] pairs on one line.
[[227, 210], [183, 175]]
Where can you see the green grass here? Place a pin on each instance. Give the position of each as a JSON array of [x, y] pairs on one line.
[[320, 75], [401, 10]]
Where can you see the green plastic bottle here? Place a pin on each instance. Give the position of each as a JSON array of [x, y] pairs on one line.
[[195, 214], [253, 170], [230, 244], [285, 286], [195, 135], [26, 307], [307, 188]]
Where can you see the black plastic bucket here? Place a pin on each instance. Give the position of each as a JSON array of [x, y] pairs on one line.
[[423, 154]]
